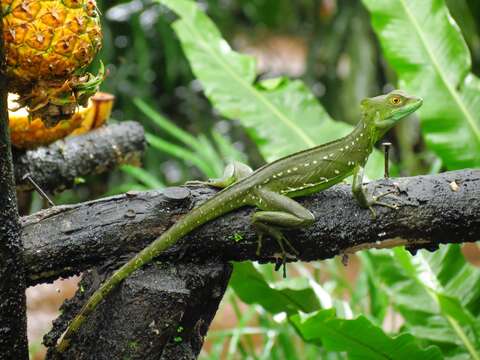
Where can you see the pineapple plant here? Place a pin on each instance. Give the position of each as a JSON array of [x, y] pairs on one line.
[[48, 45]]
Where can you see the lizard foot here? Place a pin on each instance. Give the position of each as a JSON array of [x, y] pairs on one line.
[[374, 202], [282, 241]]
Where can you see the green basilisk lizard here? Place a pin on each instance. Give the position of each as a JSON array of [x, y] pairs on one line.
[[271, 189]]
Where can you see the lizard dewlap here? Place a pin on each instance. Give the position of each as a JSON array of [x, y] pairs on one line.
[[48, 44]]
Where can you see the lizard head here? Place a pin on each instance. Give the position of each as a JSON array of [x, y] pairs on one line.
[[384, 111]]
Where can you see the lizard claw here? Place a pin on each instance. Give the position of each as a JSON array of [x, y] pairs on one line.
[[282, 241]]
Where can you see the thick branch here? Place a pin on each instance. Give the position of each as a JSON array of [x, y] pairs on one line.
[[162, 311], [63, 240], [56, 167], [13, 334]]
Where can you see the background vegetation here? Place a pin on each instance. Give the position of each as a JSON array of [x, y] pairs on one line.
[[295, 79]]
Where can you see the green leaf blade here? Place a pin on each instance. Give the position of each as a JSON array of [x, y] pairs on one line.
[[424, 45], [281, 115], [359, 338], [252, 288]]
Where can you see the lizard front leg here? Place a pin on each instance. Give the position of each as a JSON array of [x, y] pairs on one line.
[[234, 172], [365, 199], [278, 212]]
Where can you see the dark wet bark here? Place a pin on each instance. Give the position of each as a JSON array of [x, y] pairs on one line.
[[57, 166], [13, 323], [435, 209], [162, 311]]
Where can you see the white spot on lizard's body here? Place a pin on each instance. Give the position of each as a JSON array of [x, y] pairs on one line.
[[325, 158], [337, 172], [307, 164], [315, 162], [295, 169]]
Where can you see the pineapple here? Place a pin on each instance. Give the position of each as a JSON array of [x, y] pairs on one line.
[[48, 44], [30, 133]]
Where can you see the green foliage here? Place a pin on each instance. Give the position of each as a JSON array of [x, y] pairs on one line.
[[281, 115], [397, 306], [426, 48], [359, 338], [436, 294], [293, 296], [199, 151]]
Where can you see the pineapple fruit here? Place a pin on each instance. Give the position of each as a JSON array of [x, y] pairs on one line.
[[29, 133], [48, 45]]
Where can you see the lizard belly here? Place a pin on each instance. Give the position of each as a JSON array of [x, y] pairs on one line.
[[313, 185], [312, 188]]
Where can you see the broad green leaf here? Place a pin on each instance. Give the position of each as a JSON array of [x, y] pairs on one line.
[[251, 287], [424, 45], [424, 290], [281, 115], [457, 276], [359, 338]]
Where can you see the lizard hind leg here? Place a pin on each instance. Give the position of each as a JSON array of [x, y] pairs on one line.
[[234, 172], [279, 212], [281, 240]]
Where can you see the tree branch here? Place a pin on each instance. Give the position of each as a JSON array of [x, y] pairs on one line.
[[56, 167], [435, 209], [13, 328], [162, 311]]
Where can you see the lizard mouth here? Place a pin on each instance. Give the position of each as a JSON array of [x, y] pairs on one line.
[[410, 107]]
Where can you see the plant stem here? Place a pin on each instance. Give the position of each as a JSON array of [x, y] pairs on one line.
[[13, 335]]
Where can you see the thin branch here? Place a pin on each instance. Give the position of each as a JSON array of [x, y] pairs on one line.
[[56, 167], [435, 209], [13, 328]]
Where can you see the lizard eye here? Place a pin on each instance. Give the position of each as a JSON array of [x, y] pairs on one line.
[[395, 100]]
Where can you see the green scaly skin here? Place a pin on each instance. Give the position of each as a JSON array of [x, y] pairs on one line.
[[272, 188]]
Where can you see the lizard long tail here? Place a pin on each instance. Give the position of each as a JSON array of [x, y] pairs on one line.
[[220, 204]]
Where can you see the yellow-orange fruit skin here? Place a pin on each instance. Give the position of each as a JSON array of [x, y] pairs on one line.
[[103, 104], [48, 44], [49, 39], [29, 134]]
